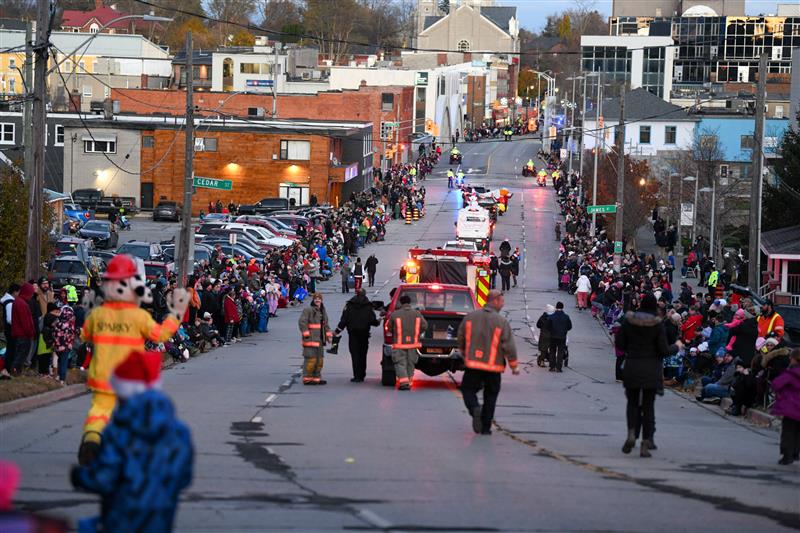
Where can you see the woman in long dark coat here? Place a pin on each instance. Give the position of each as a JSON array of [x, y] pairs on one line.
[[643, 340]]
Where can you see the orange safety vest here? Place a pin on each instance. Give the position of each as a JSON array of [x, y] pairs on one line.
[[406, 325], [487, 341]]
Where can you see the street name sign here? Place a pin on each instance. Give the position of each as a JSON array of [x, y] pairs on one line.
[[601, 209], [212, 183]]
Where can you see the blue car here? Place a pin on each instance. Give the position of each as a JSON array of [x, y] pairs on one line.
[[77, 213]]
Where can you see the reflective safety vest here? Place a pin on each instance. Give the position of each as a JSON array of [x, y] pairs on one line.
[[530, 163], [412, 274], [406, 325], [773, 324], [713, 278], [450, 174], [312, 322], [460, 175], [413, 171], [486, 341], [72, 293]]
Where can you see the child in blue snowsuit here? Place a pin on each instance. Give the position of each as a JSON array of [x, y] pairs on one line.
[[145, 459], [262, 310]]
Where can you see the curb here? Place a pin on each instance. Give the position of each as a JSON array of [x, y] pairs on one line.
[[754, 416], [15, 407]]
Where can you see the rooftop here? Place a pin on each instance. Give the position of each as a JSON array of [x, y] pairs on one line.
[[783, 241], [641, 104]]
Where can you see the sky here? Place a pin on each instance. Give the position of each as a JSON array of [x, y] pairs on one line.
[[532, 14]]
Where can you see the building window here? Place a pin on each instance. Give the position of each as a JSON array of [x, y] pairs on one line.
[[99, 147], [670, 135], [778, 110], [747, 142], [441, 86], [12, 85], [723, 171], [59, 135], [464, 46], [94, 28], [644, 134], [255, 68], [367, 144], [12, 63], [387, 101], [68, 66], [148, 141], [87, 91], [82, 66], [7, 133], [106, 91], [296, 150]]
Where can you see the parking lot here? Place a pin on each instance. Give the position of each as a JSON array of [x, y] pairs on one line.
[[144, 229]]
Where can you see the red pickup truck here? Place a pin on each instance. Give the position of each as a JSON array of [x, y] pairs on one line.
[[444, 306]]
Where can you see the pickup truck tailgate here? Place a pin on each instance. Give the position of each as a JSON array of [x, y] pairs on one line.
[[440, 338]]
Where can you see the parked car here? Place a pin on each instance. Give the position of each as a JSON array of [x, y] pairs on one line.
[[246, 250], [261, 236], [293, 221], [102, 232], [75, 212], [241, 239], [71, 270], [104, 255], [96, 200], [202, 252], [273, 226], [158, 269], [73, 246], [167, 210], [147, 251], [265, 205], [218, 217]]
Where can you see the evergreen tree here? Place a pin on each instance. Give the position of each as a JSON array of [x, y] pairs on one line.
[[780, 201]]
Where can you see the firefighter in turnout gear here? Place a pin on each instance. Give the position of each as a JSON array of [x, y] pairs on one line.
[[486, 342], [406, 325], [315, 333]]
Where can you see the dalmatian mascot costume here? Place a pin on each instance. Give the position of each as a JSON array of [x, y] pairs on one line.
[[115, 328]]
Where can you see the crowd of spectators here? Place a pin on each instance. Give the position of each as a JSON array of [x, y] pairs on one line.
[[231, 298], [732, 346]]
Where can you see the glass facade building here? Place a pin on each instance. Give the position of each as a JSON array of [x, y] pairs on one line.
[[720, 49]]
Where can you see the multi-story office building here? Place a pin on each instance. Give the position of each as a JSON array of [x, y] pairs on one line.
[[712, 48], [667, 8], [645, 62]]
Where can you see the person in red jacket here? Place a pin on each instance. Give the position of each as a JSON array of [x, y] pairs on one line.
[[22, 328], [690, 325], [231, 314]]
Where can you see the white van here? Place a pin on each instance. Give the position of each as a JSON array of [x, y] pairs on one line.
[[260, 235], [474, 224]]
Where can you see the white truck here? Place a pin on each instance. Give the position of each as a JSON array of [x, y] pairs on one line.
[[475, 224]]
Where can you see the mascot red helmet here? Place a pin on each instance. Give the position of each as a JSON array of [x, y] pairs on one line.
[[121, 267]]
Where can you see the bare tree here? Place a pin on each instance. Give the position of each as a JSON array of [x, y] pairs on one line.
[[234, 11], [331, 23]]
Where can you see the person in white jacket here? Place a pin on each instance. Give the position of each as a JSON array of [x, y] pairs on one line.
[[583, 291]]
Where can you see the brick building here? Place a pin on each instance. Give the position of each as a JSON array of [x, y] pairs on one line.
[[144, 157], [367, 104]]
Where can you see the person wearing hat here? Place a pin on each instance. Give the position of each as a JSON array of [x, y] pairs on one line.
[[642, 340], [146, 457], [116, 329], [315, 332]]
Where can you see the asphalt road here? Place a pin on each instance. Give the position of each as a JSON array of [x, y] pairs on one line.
[[273, 455]]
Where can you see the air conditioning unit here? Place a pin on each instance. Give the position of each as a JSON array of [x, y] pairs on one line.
[[255, 111]]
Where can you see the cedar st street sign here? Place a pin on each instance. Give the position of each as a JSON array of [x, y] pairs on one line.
[[212, 183]]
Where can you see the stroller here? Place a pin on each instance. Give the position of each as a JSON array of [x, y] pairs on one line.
[[565, 281]]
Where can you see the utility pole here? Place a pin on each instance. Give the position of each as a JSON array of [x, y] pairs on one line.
[[754, 267], [33, 256], [186, 256], [27, 109], [583, 137], [600, 132], [620, 182], [571, 121], [275, 82], [28, 106]]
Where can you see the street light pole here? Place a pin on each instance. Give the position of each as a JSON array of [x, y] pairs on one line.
[[694, 208], [756, 180], [618, 227], [583, 134], [600, 132]]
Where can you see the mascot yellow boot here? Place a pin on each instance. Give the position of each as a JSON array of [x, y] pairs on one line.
[[115, 329]]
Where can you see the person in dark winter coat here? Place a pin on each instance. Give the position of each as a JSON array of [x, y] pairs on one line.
[[544, 334], [371, 266], [145, 459], [358, 317], [746, 335], [643, 339], [560, 325], [505, 266]]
